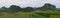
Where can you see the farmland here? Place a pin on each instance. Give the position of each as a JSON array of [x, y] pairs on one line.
[[31, 15]]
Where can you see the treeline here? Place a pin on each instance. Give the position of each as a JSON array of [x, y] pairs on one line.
[[15, 8]]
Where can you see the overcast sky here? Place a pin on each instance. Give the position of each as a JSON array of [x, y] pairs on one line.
[[26, 3]]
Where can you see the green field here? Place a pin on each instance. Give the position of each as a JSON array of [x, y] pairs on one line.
[[6, 15], [46, 12], [31, 15]]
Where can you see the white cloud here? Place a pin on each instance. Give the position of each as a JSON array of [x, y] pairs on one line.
[[25, 3]]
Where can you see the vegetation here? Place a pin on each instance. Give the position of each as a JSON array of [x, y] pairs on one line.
[[28, 9], [47, 11], [14, 8]]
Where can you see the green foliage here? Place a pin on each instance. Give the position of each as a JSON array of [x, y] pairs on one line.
[[14, 8], [28, 9], [4, 7]]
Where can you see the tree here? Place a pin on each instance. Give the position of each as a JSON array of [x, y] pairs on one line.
[[4, 7], [14, 8], [38, 8], [28, 9]]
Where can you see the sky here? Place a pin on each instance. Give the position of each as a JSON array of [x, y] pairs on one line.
[[28, 3]]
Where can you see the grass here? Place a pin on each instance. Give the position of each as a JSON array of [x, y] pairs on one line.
[[47, 12], [22, 15], [31, 15]]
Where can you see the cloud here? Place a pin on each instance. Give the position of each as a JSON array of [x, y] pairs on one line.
[[32, 3]]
